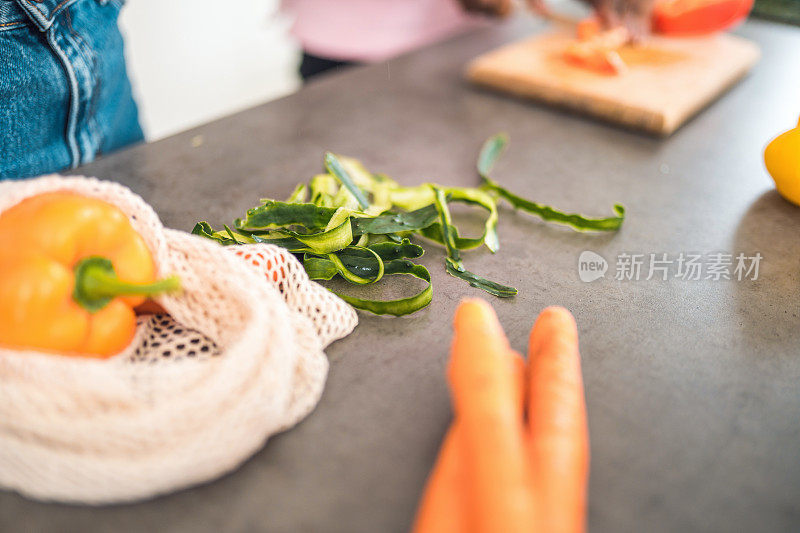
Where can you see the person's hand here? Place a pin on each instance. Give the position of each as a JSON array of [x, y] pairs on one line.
[[539, 7], [497, 8], [634, 15]]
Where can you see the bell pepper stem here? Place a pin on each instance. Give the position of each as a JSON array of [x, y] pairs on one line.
[[96, 284]]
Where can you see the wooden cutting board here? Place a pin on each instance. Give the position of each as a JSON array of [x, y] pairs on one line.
[[668, 80]]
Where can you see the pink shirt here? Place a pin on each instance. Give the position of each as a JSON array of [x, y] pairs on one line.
[[373, 30]]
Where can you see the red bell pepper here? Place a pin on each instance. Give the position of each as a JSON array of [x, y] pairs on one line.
[[698, 17], [588, 28], [597, 50]]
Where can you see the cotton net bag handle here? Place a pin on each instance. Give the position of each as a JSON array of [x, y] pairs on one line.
[[238, 358]]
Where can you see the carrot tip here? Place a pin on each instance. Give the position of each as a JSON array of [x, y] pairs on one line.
[[477, 334], [556, 312], [478, 314], [553, 322]]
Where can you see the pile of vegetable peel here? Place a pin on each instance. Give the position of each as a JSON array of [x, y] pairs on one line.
[[351, 223]]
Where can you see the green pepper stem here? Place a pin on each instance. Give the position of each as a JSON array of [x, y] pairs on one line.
[[96, 284]]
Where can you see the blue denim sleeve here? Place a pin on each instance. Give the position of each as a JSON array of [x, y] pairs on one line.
[[65, 96]]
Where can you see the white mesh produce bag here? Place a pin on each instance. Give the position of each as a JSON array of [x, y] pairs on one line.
[[238, 358]]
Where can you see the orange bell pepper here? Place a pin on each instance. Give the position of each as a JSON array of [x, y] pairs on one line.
[[73, 269]]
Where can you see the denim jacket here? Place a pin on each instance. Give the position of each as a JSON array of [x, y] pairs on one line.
[[65, 97]]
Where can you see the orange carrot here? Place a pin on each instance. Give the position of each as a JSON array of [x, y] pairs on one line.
[[559, 439], [520, 369], [487, 405], [442, 508], [494, 472]]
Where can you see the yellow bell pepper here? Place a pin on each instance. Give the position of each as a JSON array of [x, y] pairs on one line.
[[73, 269], [782, 158]]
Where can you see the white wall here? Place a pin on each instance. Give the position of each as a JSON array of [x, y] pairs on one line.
[[192, 61]]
